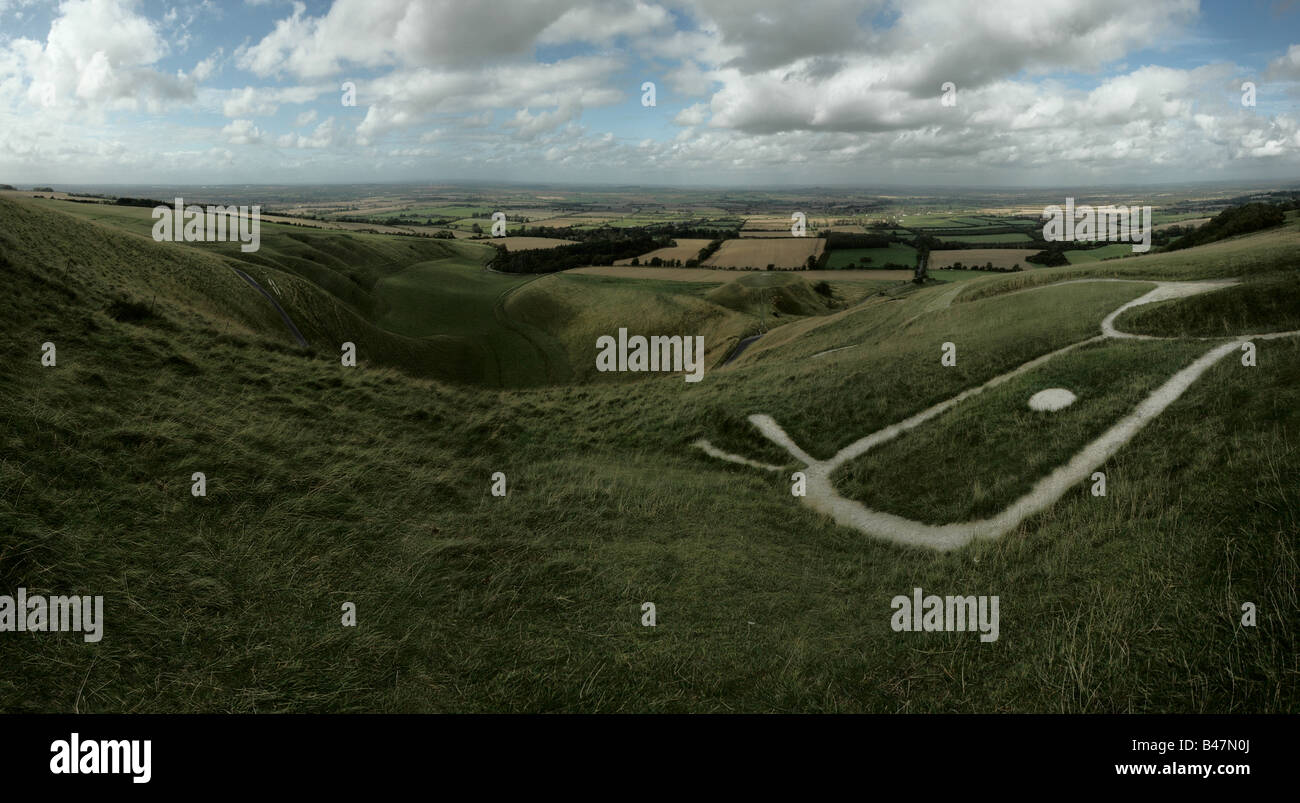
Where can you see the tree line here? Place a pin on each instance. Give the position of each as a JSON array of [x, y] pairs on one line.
[[591, 252]]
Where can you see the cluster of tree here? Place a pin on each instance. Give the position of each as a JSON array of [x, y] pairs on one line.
[[7, 187], [658, 262], [868, 262], [838, 240], [987, 266], [591, 252], [1052, 256], [149, 202], [683, 230], [926, 242], [42, 189], [708, 251], [1231, 222], [695, 231]]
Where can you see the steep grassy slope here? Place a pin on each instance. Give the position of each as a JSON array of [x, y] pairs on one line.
[[329, 484], [575, 310], [418, 304]]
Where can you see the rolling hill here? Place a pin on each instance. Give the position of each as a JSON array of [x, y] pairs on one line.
[[329, 484]]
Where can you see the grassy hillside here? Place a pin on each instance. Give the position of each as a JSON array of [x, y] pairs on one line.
[[423, 305], [328, 484]]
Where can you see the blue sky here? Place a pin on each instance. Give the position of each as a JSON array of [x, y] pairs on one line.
[[1048, 92]]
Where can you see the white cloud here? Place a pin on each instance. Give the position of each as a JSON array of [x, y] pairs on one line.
[[98, 55], [527, 125], [242, 132], [402, 99], [410, 33], [603, 21], [262, 102], [692, 115], [1287, 66], [324, 136]]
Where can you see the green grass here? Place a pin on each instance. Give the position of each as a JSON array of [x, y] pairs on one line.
[[1271, 303], [958, 275], [425, 306], [991, 450], [1084, 256], [371, 485]]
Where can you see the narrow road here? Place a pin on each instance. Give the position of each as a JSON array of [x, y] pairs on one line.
[[740, 348], [302, 341]]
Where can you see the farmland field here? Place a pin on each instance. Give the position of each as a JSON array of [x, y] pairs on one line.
[[519, 243], [724, 275], [1009, 237], [758, 253], [685, 249], [895, 254], [1000, 257]]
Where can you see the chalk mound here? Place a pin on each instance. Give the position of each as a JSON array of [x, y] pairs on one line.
[[1051, 400]]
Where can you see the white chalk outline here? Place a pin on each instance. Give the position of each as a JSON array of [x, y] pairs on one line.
[[822, 496]]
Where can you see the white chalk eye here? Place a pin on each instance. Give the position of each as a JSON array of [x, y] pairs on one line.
[[1051, 400]]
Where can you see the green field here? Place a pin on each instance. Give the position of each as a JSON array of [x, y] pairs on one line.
[[329, 484], [1010, 237], [896, 254], [927, 221]]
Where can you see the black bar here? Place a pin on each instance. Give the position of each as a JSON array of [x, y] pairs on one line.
[[332, 752]]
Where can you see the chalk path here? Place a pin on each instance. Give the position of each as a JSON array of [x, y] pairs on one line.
[[293, 328], [822, 496]]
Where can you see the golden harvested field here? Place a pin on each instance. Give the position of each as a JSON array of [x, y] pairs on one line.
[[1000, 257], [711, 275], [684, 250], [759, 252]]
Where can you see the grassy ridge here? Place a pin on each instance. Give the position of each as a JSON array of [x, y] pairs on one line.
[[1270, 303]]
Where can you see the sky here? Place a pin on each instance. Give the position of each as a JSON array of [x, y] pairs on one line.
[[745, 93]]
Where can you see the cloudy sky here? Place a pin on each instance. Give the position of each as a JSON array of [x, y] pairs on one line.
[[747, 92]]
